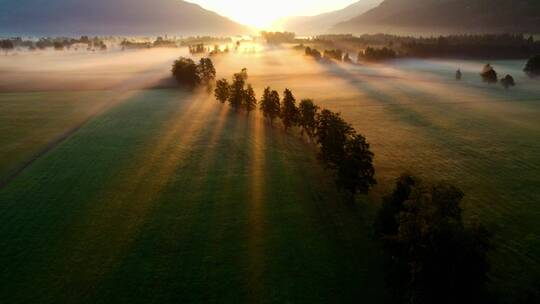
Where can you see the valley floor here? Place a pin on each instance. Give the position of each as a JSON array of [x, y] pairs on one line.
[[122, 190]]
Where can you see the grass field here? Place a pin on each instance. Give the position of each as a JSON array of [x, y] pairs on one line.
[[168, 196]]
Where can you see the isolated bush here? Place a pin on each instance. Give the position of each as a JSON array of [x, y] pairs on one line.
[[532, 68], [431, 252], [508, 81], [459, 75], [489, 74]]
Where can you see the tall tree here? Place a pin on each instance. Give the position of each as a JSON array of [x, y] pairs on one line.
[[222, 90], [206, 70], [185, 72], [431, 252], [289, 111], [250, 100], [356, 173], [308, 117], [270, 105], [237, 91], [332, 134]]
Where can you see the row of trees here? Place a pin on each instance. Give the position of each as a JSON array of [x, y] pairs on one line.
[[189, 74], [430, 250], [341, 148]]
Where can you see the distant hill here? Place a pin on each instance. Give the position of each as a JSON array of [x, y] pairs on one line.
[[447, 16], [111, 17], [319, 24]]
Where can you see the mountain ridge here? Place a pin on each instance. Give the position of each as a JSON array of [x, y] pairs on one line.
[[447, 16], [112, 17], [318, 24]]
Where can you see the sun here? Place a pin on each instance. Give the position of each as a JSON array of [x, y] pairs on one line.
[[264, 14]]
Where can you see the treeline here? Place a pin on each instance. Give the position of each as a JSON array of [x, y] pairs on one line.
[[491, 46], [341, 148], [374, 54], [90, 44], [505, 46], [278, 37]]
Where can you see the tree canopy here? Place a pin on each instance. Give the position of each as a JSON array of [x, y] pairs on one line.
[[308, 117], [185, 71], [508, 81], [270, 104], [532, 68], [489, 74], [431, 251], [189, 74], [250, 100], [222, 90], [289, 111]]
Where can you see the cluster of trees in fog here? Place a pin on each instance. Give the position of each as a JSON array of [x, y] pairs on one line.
[[341, 148], [329, 56], [190, 74], [278, 37], [432, 256], [489, 75]]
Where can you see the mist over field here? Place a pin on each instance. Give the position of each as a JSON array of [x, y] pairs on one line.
[[113, 127]]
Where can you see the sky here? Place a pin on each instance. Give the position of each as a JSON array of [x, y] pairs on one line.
[[262, 13]]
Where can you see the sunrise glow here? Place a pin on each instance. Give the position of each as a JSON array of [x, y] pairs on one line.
[[262, 14]]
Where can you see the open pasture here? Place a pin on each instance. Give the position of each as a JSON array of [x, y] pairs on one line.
[[164, 192]]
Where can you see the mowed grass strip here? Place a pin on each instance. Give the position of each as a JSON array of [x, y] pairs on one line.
[[173, 198]]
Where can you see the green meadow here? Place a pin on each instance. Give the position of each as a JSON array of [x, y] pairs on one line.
[[159, 195]]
